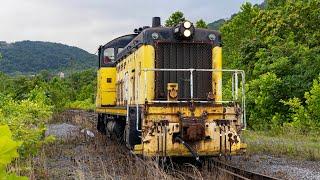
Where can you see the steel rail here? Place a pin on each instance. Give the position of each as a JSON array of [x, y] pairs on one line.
[[236, 172]]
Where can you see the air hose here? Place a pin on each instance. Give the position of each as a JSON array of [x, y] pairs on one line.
[[193, 152]]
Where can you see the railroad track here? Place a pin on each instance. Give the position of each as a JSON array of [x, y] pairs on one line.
[[235, 172], [212, 164]]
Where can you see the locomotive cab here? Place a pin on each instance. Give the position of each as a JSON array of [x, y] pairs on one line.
[[164, 93], [107, 54]]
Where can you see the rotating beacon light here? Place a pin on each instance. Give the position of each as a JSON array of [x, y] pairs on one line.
[[184, 30]]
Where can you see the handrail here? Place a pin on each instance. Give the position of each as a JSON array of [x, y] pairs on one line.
[[235, 88]]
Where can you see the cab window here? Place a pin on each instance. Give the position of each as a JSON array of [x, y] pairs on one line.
[[120, 49], [108, 55]]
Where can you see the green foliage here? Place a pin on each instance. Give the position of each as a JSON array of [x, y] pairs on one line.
[[8, 152], [201, 24], [281, 43], [30, 57], [83, 104], [275, 3], [59, 92], [8, 148], [175, 18], [26, 103], [299, 116], [261, 93], [313, 102], [235, 34], [26, 119], [306, 117]]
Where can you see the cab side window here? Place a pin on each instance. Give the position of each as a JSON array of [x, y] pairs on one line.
[[108, 55], [120, 49]]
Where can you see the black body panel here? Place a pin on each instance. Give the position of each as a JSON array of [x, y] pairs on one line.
[[134, 136], [167, 34], [184, 56]]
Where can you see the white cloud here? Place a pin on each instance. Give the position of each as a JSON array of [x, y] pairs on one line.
[[89, 23]]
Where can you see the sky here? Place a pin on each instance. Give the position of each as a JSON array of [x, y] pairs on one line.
[[90, 23]]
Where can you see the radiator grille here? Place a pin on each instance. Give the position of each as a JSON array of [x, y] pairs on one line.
[[184, 56]]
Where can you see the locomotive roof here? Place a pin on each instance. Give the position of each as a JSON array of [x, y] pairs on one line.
[[121, 41], [165, 35]]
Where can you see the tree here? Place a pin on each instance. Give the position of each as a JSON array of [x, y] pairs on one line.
[[262, 100], [175, 18], [201, 24], [274, 3], [235, 33], [278, 47]]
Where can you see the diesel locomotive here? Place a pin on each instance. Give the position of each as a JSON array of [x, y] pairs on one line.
[[161, 91]]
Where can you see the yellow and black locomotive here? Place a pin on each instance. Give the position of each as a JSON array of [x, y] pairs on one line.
[[160, 90]]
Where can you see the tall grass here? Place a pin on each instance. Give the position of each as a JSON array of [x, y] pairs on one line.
[[82, 157], [291, 144]]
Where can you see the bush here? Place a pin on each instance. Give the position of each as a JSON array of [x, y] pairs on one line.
[[261, 95], [306, 118], [8, 152], [86, 104], [26, 119]]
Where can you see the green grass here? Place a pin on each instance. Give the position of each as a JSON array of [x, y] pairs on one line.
[[291, 145]]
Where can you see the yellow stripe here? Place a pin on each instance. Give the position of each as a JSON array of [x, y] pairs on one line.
[[217, 76], [118, 110]]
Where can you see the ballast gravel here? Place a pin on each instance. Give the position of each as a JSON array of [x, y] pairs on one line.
[[62, 131], [279, 167]]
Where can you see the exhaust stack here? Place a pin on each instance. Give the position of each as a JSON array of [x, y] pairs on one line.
[[156, 22]]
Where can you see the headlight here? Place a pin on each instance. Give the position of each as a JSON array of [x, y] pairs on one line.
[[187, 24], [212, 37], [184, 30], [187, 33], [155, 35]]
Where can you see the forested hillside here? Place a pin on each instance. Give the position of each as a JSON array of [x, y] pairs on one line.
[[278, 46], [30, 57], [216, 24]]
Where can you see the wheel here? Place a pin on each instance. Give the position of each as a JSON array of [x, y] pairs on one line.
[[101, 126]]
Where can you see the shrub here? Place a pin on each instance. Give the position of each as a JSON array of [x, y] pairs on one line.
[[8, 151], [306, 118], [26, 119]]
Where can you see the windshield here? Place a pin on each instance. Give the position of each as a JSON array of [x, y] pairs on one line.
[[108, 55]]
